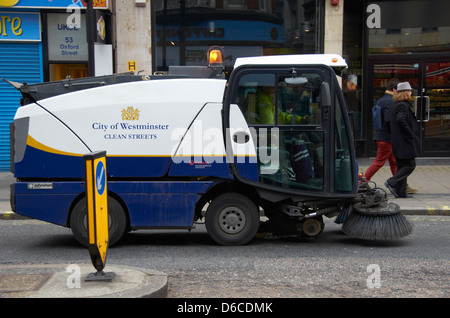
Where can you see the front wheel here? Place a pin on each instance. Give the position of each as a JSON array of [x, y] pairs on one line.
[[117, 221], [232, 219]]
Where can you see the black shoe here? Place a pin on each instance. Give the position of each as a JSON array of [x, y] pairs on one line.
[[407, 196], [387, 185]]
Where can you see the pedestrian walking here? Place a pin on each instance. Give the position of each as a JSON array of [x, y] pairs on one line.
[[404, 139], [383, 135]]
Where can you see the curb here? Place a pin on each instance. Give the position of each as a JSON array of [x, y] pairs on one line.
[[432, 211], [12, 216], [129, 282]]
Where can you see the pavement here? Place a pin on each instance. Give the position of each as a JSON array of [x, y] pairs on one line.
[[431, 179], [69, 281]]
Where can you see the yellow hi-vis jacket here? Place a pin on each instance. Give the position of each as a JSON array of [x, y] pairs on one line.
[[266, 112]]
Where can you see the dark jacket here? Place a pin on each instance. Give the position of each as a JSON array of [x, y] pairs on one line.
[[404, 131], [386, 104]]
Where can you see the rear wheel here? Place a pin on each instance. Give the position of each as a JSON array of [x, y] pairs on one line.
[[117, 221], [232, 219]]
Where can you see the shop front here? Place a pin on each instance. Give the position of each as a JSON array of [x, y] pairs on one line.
[[42, 40], [409, 40], [429, 75], [20, 61], [184, 30]]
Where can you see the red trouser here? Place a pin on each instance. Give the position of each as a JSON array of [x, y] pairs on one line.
[[384, 153]]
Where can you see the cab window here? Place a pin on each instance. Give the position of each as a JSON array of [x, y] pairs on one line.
[[343, 176], [286, 116]]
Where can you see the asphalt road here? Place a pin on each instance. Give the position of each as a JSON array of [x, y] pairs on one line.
[[333, 265]]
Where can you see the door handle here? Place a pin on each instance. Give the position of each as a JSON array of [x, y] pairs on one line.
[[427, 109], [427, 103], [241, 137], [415, 107]]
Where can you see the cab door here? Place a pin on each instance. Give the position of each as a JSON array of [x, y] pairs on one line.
[[287, 130], [279, 130]]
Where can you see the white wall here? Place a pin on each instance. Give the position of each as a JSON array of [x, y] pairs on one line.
[[334, 18], [133, 35]]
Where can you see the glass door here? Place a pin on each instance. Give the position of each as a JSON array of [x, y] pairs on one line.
[[430, 80], [433, 108]]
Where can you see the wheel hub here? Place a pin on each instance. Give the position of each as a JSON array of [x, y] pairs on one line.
[[312, 227], [232, 220]]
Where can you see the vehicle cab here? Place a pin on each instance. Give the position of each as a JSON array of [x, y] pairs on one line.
[[297, 141]]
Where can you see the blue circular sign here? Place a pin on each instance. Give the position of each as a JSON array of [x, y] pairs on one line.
[[100, 178]]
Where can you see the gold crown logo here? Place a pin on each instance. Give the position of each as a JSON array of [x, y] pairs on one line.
[[130, 113]]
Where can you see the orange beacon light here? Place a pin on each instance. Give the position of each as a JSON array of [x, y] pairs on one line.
[[215, 56]]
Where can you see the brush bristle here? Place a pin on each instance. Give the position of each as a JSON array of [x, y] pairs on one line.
[[343, 215], [377, 225]]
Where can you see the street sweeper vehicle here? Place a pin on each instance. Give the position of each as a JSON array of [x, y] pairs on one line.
[[272, 140]]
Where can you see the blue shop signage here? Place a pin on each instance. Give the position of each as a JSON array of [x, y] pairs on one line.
[[223, 30], [52, 4], [47, 3], [20, 26]]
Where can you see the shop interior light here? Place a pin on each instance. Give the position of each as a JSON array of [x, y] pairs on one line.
[[307, 26]]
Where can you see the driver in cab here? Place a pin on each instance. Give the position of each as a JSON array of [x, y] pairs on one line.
[[265, 101]]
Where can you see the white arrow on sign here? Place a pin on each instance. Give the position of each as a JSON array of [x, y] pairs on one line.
[[99, 179]]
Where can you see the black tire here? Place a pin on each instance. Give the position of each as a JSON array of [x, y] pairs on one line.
[[117, 221], [232, 219]]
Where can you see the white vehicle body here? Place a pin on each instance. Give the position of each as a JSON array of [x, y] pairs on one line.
[[177, 145]]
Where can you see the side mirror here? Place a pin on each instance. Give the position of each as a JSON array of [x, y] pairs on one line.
[[325, 95]]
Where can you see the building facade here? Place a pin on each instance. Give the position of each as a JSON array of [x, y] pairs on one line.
[[43, 40], [409, 40]]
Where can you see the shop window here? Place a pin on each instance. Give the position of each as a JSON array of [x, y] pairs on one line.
[[420, 27], [243, 28], [234, 4], [353, 53], [62, 71]]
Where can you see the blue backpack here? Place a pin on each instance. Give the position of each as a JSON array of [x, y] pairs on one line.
[[376, 118]]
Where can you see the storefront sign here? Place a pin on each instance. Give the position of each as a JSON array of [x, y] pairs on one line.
[[66, 42], [53, 4], [223, 30], [102, 28], [23, 26], [8, 3]]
